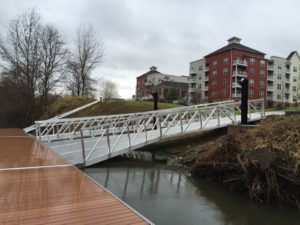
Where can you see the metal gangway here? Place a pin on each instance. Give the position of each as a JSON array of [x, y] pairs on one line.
[[88, 140]]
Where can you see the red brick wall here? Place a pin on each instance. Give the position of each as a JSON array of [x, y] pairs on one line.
[[140, 84], [233, 55]]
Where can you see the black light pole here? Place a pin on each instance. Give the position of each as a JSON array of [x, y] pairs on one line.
[[244, 106], [155, 100], [155, 106]]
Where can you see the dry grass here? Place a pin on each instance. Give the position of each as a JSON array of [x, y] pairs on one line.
[[263, 161]]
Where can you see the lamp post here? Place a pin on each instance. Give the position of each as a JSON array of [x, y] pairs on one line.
[[244, 106]]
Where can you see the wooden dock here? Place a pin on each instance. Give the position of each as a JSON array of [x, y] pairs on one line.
[[39, 187]]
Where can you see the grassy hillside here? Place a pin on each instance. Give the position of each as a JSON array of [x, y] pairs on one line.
[[115, 107], [122, 106], [65, 104]]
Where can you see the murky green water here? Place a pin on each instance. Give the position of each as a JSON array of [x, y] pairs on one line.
[[168, 197]]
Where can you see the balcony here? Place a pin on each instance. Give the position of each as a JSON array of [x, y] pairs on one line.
[[271, 68], [287, 71], [270, 77], [207, 69], [239, 74], [206, 88], [270, 97], [240, 62], [236, 85], [192, 79], [192, 89], [270, 87]]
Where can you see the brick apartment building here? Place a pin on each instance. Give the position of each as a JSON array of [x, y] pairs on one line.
[[164, 84], [217, 76]]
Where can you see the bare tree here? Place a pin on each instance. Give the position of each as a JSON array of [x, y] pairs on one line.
[[108, 90], [19, 51], [53, 58], [86, 56]]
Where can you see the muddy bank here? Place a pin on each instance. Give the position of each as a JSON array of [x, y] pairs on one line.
[[263, 162]]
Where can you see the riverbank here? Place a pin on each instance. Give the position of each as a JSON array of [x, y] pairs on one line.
[[263, 162]]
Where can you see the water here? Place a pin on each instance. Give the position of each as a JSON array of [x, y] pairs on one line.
[[168, 197]]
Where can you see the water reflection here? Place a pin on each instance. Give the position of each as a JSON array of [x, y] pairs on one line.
[[168, 197]]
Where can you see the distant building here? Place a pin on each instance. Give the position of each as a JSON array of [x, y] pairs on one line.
[[216, 77], [284, 80], [166, 85]]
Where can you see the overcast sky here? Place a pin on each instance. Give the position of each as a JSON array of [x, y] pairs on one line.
[[167, 33]]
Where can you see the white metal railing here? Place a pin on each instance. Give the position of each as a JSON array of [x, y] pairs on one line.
[[240, 62], [106, 137]]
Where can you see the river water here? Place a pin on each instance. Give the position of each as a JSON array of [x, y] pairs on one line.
[[168, 197]]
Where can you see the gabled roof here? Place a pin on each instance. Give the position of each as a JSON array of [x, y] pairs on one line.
[[148, 73], [291, 55], [234, 46]]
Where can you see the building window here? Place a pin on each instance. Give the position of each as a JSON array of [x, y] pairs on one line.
[[261, 83], [279, 67], [251, 82], [213, 93], [226, 60], [251, 93], [262, 63], [225, 71], [224, 92], [225, 82], [262, 73], [278, 97], [215, 63], [215, 73], [199, 86], [278, 86], [295, 69], [294, 79], [252, 72], [261, 94], [294, 88], [279, 77], [214, 83], [252, 61], [294, 98]]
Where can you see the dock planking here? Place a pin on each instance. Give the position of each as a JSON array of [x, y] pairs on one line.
[[38, 187]]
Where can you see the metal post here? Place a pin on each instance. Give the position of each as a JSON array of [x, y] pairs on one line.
[[108, 142], [244, 107], [160, 131], [218, 113], [155, 106], [181, 125], [82, 146], [200, 117], [128, 133], [145, 128]]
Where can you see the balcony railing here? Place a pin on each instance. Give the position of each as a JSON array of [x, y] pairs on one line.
[[239, 74], [270, 68], [206, 69], [192, 79], [192, 89], [240, 62], [236, 85], [270, 77]]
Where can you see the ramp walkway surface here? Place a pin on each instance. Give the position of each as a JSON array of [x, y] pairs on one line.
[[39, 187]]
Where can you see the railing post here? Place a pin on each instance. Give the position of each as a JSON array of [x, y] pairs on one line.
[[233, 113], [82, 147], [263, 107], [128, 133], [200, 117], [159, 124], [108, 142], [181, 125], [218, 114], [145, 128]]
